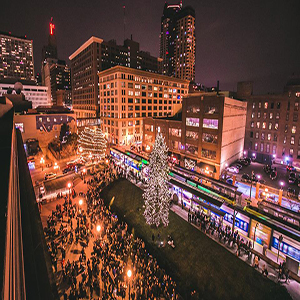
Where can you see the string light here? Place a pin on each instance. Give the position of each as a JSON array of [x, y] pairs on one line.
[[92, 143], [157, 195]]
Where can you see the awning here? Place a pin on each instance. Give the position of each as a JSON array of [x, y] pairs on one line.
[[197, 193], [213, 209], [205, 166]]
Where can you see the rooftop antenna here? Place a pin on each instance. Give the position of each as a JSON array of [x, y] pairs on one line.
[[124, 20]]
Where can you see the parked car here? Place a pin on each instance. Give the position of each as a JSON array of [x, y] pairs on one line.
[[267, 168], [239, 166], [292, 193], [68, 169], [245, 178], [50, 176], [273, 175], [233, 169], [229, 181], [292, 178], [290, 168]]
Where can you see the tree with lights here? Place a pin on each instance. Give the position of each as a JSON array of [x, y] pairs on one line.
[[92, 142], [156, 195]]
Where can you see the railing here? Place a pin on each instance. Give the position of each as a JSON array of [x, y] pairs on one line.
[[14, 275]]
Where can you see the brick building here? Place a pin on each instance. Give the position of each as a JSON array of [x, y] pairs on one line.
[[206, 136]]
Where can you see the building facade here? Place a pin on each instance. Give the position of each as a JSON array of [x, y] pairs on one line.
[[50, 50], [16, 58], [273, 130], [38, 95], [208, 136], [178, 41], [127, 96], [96, 55]]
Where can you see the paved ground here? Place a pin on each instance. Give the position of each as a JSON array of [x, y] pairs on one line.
[[282, 175]]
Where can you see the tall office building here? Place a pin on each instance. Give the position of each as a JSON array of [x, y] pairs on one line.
[[96, 55], [178, 41], [16, 58]]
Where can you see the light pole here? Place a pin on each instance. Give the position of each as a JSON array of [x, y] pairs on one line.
[[257, 224], [279, 243], [129, 274], [252, 176], [80, 204], [69, 187]]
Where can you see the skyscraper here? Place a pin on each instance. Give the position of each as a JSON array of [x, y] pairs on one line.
[[178, 41], [16, 58]]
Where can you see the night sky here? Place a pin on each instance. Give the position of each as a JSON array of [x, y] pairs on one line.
[[255, 40]]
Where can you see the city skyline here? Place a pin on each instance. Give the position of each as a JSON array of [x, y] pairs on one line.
[[261, 45]]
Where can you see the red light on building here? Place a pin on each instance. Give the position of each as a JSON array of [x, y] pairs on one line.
[[52, 27]]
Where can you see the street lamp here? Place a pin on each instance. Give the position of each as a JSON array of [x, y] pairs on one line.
[[281, 184], [84, 171], [80, 202], [129, 274], [42, 161], [69, 187]]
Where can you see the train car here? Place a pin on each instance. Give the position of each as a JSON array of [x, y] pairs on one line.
[[242, 222], [288, 247]]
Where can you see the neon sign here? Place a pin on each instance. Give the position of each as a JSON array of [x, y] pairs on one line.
[[52, 27]]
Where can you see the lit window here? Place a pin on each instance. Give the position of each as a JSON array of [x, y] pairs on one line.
[[294, 129], [292, 140], [266, 105]]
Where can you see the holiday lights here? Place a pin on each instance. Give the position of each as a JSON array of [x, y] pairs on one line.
[[156, 195], [92, 143]]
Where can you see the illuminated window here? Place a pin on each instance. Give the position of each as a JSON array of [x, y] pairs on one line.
[[264, 124], [284, 139], [255, 146], [292, 140], [266, 105], [262, 136], [259, 104], [258, 114], [271, 116], [275, 137], [268, 148], [261, 147], [210, 123], [270, 126], [252, 115], [269, 136], [252, 124], [192, 122], [257, 124], [274, 149], [276, 126], [294, 129], [208, 153], [291, 152]]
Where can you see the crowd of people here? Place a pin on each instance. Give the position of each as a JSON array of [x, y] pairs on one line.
[[105, 250]]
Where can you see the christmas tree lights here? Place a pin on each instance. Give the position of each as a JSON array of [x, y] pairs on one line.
[[156, 195], [92, 143]]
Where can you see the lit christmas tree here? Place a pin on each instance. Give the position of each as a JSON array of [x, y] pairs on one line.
[[92, 142], [156, 195]]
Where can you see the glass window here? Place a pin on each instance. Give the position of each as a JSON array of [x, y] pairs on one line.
[[284, 139], [275, 137], [251, 134], [291, 152], [265, 115], [296, 108], [286, 128], [278, 105], [175, 132], [262, 136], [287, 116], [269, 136], [277, 115], [292, 140], [268, 148], [266, 105], [211, 109], [192, 135], [212, 138], [264, 124], [252, 124], [258, 114], [259, 104], [252, 115], [256, 134], [193, 109], [276, 126], [192, 122], [271, 116], [210, 123], [295, 117], [208, 153], [257, 124], [191, 149], [272, 105], [274, 149], [255, 146], [261, 147], [270, 126], [175, 145], [253, 105], [294, 129]]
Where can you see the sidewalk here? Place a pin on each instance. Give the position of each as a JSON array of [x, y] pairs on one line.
[[293, 287]]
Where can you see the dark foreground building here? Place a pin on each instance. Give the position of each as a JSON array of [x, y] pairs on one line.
[[25, 265]]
